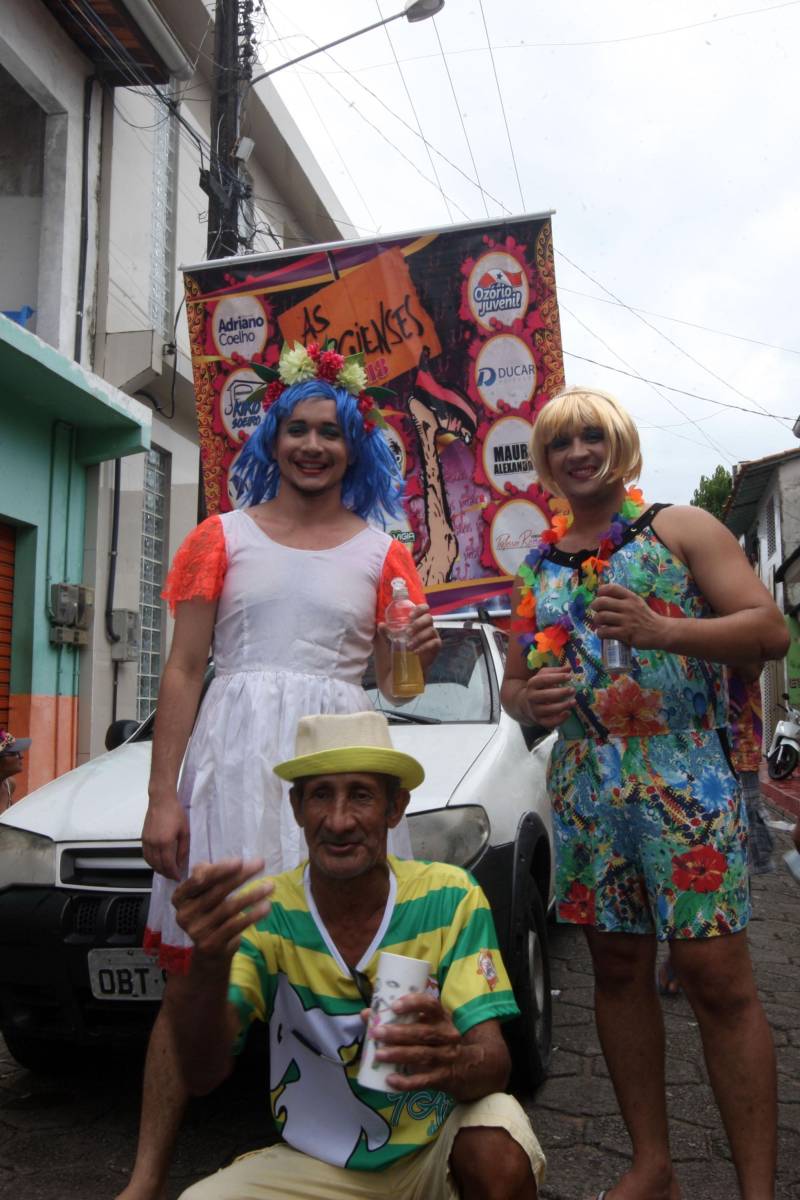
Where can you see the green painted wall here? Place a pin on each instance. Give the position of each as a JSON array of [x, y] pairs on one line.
[[43, 492], [793, 661]]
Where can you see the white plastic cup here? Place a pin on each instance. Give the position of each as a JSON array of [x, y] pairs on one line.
[[397, 976]]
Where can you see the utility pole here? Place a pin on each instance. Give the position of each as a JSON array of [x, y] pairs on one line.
[[221, 180], [234, 51]]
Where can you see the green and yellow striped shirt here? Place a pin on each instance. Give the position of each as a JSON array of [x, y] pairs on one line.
[[289, 973]]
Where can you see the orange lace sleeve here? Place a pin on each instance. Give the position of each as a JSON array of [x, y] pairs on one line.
[[398, 563], [198, 569]]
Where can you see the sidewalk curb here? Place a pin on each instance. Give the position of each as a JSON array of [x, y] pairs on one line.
[[789, 804], [780, 796]]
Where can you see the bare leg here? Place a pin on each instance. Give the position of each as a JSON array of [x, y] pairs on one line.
[[631, 1031], [487, 1164], [717, 977], [163, 1104]]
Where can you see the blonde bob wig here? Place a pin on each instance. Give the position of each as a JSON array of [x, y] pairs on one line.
[[573, 410]]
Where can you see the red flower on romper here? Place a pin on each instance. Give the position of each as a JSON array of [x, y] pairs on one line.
[[578, 905], [699, 870]]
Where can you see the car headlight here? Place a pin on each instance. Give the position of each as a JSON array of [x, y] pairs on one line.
[[26, 858], [452, 835]]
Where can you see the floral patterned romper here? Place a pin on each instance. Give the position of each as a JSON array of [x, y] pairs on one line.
[[650, 828]]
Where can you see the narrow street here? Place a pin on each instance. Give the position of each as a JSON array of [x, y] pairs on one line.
[[73, 1137]]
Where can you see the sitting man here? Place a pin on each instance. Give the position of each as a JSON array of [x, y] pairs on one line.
[[304, 960]]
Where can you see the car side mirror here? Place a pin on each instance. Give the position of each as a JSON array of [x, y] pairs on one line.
[[119, 732]]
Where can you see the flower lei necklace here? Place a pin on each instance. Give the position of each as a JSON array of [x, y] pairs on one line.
[[298, 364], [552, 639]]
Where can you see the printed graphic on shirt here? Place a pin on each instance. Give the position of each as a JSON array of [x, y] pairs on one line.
[[309, 1054], [287, 974]]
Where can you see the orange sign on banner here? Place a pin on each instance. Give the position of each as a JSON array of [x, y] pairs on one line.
[[373, 309]]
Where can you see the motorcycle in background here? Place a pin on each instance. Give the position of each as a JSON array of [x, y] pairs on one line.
[[784, 753]]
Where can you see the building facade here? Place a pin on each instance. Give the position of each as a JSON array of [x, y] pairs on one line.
[[763, 511], [101, 162]]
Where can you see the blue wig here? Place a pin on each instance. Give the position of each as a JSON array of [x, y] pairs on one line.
[[372, 486]]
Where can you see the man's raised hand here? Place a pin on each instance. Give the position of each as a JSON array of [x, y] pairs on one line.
[[214, 912]]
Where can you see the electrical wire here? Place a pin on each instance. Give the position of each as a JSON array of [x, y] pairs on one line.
[[395, 147], [663, 335], [739, 337], [415, 115], [653, 387], [460, 115], [682, 391], [334, 141], [134, 125], [657, 33], [622, 304], [636, 37], [123, 61], [615, 300], [189, 197], [502, 105], [132, 68], [324, 76]]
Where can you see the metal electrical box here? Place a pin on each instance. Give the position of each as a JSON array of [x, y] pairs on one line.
[[71, 612], [64, 603], [125, 625]]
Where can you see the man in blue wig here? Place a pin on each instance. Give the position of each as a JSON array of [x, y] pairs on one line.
[[291, 587]]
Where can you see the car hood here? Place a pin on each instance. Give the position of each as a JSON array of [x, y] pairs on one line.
[[446, 752], [105, 799]]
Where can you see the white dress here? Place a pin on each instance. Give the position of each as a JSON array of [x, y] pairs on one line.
[[293, 632]]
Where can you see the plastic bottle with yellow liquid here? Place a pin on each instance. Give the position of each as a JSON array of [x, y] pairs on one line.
[[407, 677]]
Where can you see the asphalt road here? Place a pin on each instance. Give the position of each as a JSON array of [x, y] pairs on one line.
[[72, 1137]]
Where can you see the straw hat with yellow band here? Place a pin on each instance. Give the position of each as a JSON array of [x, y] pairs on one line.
[[340, 744]]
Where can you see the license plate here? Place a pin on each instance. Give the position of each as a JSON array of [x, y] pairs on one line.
[[125, 974]]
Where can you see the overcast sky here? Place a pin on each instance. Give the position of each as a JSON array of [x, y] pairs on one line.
[[664, 136]]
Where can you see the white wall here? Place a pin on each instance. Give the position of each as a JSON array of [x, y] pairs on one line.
[[21, 183], [128, 242], [118, 338], [21, 221], [178, 439], [48, 66], [789, 506]]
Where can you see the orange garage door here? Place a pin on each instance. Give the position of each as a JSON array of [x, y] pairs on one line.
[[7, 543]]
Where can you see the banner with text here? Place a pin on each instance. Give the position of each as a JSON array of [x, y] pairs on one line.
[[461, 324]]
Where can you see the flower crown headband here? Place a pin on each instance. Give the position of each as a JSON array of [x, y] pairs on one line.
[[299, 364]]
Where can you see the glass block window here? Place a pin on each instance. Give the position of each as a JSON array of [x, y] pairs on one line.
[[769, 699], [153, 565], [162, 234], [772, 533]]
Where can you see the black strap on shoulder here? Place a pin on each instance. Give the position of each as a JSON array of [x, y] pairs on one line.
[[642, 522]]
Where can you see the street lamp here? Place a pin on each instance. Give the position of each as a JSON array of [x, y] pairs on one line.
[[415, 10]]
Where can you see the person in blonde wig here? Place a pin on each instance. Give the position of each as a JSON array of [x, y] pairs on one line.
[[579, 408], [648, 819]]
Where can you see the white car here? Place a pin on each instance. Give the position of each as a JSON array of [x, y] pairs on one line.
[[74, 885]]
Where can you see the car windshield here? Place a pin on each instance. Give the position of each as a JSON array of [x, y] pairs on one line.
[[457, 689]]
